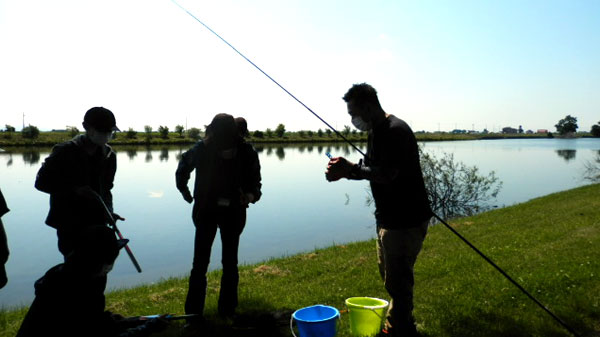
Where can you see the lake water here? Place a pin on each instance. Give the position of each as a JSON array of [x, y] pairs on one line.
[[299, 210]]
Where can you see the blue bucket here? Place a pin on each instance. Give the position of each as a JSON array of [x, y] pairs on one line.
[[315, 321]]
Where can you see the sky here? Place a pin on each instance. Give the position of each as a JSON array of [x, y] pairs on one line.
[[439, 65]]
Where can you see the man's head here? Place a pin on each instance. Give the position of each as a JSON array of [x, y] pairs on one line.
[[221, 133], [95, 251], [242, 127], [363, 105], [99, 124]]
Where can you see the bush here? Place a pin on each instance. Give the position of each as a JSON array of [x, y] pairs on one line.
[[194, 133], [280, 130], [258, 134], [131, 134], [30, 132]]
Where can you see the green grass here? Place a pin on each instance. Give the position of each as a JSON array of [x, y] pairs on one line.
[[549, 245]]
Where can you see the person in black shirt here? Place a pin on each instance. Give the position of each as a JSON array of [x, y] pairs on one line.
[[227, 180], [402, 209], [4, 252], [77, 175]]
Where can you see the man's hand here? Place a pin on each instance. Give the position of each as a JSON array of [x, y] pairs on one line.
[[246, 198], [187, 196], [338, 168], [117, 217]]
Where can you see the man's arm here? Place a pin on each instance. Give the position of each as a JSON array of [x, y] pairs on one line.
[[252, 182], [182, 175]]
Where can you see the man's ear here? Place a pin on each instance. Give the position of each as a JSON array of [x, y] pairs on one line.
[[85, 125]]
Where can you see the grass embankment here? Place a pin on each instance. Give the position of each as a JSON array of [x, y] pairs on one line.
[[549, 245], [49, 138]]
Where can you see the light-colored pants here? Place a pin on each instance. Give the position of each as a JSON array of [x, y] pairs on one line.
[[397, 251]]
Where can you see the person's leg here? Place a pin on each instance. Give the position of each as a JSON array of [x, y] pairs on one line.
[[206, 230], [400, 249], [231, 227]]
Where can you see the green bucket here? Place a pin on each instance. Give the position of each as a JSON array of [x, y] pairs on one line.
[[366, 315]]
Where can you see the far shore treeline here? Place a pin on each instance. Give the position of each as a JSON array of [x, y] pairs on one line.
[[32, 136]]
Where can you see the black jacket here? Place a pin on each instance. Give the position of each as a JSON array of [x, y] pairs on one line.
[[245, 174], [68, 167]]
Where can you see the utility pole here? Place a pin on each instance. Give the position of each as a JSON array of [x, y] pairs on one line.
[[23, 121]]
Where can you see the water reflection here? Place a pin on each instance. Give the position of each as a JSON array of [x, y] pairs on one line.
[[280, 152], [31, 157], [164, 154], [567, 154], [592, 169]]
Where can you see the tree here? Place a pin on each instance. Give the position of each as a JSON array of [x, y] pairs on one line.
[[30, 132], [258, 134], [320, 133], [163, 131], [269, 133], [73, 131], [9, 128], [280, 130], [194, 133], [148, 130], [346, 130], [595, 130], [456, 189], [520, 129], [302, 133], [567, 125], [131, 134], [328, 132], [180, 130]]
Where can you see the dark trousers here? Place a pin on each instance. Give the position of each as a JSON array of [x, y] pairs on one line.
[[66, 244], [231, 222]]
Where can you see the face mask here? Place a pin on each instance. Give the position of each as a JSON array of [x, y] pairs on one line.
[[360, 124], [228, 154], [99, 138]]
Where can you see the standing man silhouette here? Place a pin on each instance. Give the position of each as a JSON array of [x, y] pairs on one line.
[[402, 209]]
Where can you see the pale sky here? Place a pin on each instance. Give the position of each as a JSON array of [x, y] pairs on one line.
[[436, 64]]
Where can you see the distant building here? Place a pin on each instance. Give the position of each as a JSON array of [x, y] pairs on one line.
[[542, 131], [529, 132], [508, 129]]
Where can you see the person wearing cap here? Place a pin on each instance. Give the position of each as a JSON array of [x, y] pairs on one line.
[[227, 180], [78, 175], [67, 302], [4, 252]]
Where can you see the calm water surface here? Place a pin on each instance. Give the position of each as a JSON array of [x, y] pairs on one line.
[[299, 210]]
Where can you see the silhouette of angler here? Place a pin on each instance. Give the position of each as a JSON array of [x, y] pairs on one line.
[[4, 252], [227, 180], [68, 301]]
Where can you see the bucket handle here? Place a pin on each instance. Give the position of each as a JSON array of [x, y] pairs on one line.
[[291, 325]]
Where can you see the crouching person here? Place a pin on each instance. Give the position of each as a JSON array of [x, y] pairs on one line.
[[68, 301]]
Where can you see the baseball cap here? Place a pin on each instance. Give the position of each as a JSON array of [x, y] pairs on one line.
[[101, 119]]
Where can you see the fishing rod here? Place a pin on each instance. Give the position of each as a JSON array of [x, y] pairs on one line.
[[113, 223], [271, 78], [567, 327]]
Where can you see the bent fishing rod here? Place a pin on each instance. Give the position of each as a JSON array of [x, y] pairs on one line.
[[487, 259]]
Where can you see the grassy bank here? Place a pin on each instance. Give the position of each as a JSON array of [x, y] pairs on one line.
[[549, 245], [50, 138]]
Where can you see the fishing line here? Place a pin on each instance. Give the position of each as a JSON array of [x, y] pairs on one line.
[[359, 151], [271, 78]]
